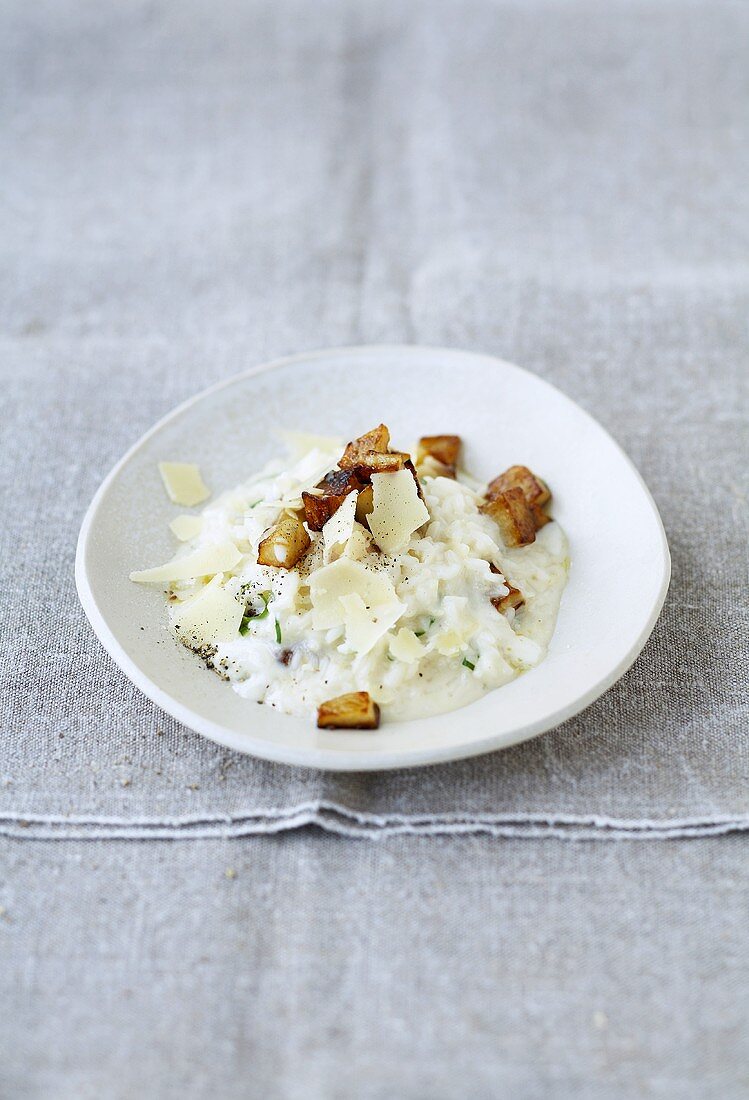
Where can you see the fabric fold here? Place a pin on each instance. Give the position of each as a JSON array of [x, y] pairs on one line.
[[339, 819]]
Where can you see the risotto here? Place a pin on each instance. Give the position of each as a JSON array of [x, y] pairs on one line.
[[349, 584]]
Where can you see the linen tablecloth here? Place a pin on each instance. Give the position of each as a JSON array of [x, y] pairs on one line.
[[191, 195], [188, 190], [307, 967]]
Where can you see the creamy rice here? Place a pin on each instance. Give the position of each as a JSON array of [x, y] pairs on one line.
[[447, 643]]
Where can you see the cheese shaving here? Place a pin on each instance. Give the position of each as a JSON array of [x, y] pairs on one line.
[[405, 646], [339, 529], [186, 527], [201, 563], [299, 444], [329, 589], [214, 615], [183, 483], [365, 625], [398, 510]]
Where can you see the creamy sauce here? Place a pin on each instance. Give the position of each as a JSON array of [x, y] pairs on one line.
[[435, 603]]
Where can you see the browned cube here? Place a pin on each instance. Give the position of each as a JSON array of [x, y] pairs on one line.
[[376, 440], [381, 462], [355, 711], [533, 488], [514, 517], [364, 504], [443, 451], [535, 491], [328, 496], [285, 543], [410, 466], [514, 599]]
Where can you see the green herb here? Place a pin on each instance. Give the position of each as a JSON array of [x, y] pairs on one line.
[[247, 620], [266, 597], [256, 504], [468, 664], [278, 632], [421, 633]]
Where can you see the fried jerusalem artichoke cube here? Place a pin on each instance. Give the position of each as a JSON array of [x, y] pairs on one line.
[[535, 491], [378, 440], [355, 711], [364, 504], [516, 501], [514, 517], [379, 462], [513, 599], [285, 543], [438, 455], [328, 495]]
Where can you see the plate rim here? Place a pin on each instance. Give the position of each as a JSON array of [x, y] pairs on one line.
[[326, 759]]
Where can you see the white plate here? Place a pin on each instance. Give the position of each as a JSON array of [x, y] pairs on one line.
[[618, 577]]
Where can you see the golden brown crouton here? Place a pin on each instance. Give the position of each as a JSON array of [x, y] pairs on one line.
[[439, 454], [381, 462], [432, 467], [328, 496], [284, 543], [514, 517], [376, 440], [535, 491], [355, 711], [533, 488], [410, 466], [364, 504], [514, 599]]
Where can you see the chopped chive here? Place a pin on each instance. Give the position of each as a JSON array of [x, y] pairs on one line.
[[256, 504], [468, 664], [247, 620], [278, 632], [421, 633], [266, 597]]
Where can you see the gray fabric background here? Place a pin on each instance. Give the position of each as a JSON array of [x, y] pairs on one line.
[[429, 968], [190, 193], [189, 189]]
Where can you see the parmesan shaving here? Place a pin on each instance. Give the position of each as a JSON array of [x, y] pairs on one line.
[[201, 563], [183, 483], [365, 625], [214, 615], [339, 529], [186, 527], [398, 510], [330, 586], [405, 646], [359, 543], [299, 444]]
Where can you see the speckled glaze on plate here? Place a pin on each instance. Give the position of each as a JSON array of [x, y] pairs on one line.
[[618, 577]]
